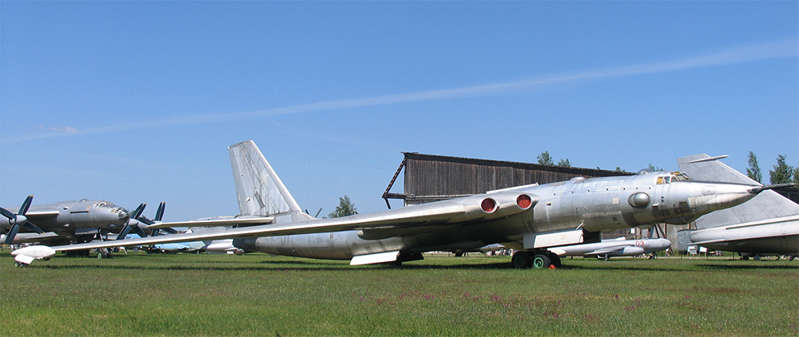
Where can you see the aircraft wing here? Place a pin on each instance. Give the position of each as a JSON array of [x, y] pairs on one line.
[[448, 212], [35, 237], [214, 222]]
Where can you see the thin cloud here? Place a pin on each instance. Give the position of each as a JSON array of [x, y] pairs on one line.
[[739, 54]]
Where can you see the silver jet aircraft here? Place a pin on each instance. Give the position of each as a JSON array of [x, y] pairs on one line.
[[616, 247], [766, 225], [65, 221], [529, 218]]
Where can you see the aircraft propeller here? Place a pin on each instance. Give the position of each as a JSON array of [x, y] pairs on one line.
[[132, 223], [159, 215], [19, 220]]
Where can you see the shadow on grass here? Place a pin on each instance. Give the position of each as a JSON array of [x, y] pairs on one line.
[[276, 266], [191, 268], [298, 262], [615, 267], [745, 267]]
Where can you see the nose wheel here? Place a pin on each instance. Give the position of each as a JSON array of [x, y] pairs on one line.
[[535, 260]]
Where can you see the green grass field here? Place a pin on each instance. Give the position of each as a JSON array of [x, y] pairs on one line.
[[215, 295]]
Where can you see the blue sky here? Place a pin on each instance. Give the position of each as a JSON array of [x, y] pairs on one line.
[[136, 102]]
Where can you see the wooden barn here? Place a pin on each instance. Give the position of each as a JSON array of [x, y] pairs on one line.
[[434, 177]]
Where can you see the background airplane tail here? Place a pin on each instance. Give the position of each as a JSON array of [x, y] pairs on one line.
[[766, 205], [258, 188]]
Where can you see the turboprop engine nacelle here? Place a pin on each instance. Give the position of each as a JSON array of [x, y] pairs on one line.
[[24, 256]]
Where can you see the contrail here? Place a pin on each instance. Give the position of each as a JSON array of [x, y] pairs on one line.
[[787, 48]]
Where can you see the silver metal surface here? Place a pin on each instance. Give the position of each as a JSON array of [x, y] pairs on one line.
[[767, 224], [589, 205], [614, 248], [70, 219]]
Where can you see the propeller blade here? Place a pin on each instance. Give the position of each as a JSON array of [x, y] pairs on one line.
[[138, 230], [145, 220], [6, 213], [137, 212], [124, 232], [169, 230], [317, 213], [32, 227], [25, 205], [12, 233], [159, 214]]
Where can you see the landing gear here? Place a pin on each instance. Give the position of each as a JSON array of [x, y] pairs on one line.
[[536, 260], [522, 260], [541, 261], [103, 253], [555, 260]]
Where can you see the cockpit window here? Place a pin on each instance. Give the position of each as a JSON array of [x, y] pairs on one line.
[[673, 178], [678, 176]]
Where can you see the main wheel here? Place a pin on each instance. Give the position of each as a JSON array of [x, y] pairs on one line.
[[541, 261], [521, 260]]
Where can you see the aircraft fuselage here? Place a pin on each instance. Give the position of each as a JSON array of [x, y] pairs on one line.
[[593, 205]]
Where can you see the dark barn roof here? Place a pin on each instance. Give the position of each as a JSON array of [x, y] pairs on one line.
[[435, 177]]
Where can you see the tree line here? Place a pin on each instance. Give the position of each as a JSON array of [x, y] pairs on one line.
[[780, 173]]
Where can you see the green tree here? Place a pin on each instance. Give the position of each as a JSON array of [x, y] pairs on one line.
[[564, 163], [753, 171], [345, 207], [782, 172], [545, 159], [652, 168], [618, 169], [796, 175]]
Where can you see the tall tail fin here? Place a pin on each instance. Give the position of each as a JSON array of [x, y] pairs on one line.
[[703, 167], [258, 188], [766, 205]]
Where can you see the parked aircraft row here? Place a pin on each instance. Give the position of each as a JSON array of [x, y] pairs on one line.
[[532, 219], [67, 221]]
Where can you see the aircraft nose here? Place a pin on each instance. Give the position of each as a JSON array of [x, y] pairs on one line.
[[115, 215], [719, 196]]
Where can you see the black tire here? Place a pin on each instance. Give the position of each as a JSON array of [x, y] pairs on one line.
[[541, 261], [521, 260]]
